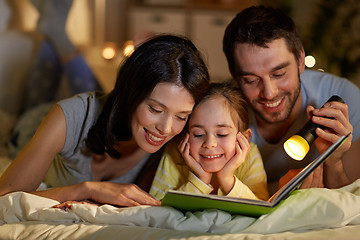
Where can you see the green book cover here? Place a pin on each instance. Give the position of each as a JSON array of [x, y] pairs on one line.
[[254, 208]]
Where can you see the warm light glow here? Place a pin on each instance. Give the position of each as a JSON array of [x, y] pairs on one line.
[[296, 147], [128, 48], [310, 61], [109, 52]]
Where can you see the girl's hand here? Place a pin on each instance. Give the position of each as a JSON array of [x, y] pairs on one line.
[[184, 148], [226, 175]]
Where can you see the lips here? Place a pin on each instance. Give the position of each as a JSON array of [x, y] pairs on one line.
[[273, 106], [212, 156], [154, 139]]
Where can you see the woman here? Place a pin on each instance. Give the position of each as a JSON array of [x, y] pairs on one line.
[[93, 146]]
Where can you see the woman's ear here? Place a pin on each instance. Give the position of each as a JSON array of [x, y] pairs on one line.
[[247, 133]]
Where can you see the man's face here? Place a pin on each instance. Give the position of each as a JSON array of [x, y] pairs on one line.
[[269, 79]]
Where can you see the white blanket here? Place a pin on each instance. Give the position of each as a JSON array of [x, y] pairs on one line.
[[304, 210]]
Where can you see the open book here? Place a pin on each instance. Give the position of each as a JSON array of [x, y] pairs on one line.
[[194, 202]]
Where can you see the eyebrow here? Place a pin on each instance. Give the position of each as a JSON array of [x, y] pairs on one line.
[[218, 126], [280, 66]]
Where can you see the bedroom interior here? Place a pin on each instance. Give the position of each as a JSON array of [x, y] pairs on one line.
[[96, 24], [105, 31]]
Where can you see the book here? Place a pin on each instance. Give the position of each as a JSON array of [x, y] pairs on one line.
[[250, 207]]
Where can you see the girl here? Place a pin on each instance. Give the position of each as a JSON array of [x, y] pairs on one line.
[[217, 155]]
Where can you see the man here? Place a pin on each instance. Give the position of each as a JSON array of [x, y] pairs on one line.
[[266, 59]]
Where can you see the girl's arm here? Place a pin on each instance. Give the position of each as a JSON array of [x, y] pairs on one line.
[[226, 175], [252, 175], [249, 179]]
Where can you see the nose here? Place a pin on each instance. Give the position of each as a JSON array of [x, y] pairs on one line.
[[210, 142], [270, 89], [164, 125]]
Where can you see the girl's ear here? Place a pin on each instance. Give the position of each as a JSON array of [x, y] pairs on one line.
[[247, 133]]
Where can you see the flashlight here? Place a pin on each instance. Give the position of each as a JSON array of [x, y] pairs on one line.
[[298, 145]]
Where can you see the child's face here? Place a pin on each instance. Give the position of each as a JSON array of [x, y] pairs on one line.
[[212, 134]]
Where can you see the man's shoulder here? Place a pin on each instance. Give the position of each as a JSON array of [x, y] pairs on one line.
[[318, 76], [319, 86]]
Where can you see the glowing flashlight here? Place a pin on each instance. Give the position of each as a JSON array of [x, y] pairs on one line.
[[298, 145]]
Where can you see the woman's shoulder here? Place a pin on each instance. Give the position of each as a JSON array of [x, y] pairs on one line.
[[84, 98], [81, 112], [83, 103]]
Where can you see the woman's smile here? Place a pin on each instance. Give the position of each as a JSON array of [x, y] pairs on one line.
[[154, 139]]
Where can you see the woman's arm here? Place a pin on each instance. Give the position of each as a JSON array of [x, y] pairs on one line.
[[101, 192], [29, 168]]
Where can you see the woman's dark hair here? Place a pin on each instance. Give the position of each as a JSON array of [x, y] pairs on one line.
[[233, 99], [260, 25], [164, 58]]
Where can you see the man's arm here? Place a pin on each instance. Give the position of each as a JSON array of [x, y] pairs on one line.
[[344, 171]]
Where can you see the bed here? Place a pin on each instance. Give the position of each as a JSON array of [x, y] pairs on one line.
[[305, 214]]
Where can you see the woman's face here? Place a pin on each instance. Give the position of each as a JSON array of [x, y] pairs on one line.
[[161, 116], [212, 134]]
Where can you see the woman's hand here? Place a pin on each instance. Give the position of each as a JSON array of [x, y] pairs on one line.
[[119, 194], [184, 148], [68, 204], [226, 175]]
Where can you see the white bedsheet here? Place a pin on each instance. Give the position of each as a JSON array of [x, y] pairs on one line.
[[306, 211]]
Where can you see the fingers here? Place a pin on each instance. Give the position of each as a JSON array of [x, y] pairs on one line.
[[183, 142], [194, 165], [314, 180], [121, 194], [337, 117], [68, 204], [137, 196], [184, 148], [132, 195], [243, 143], [318, 176], [334, 116], [65, 205], [309, 111], [242, 148]]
